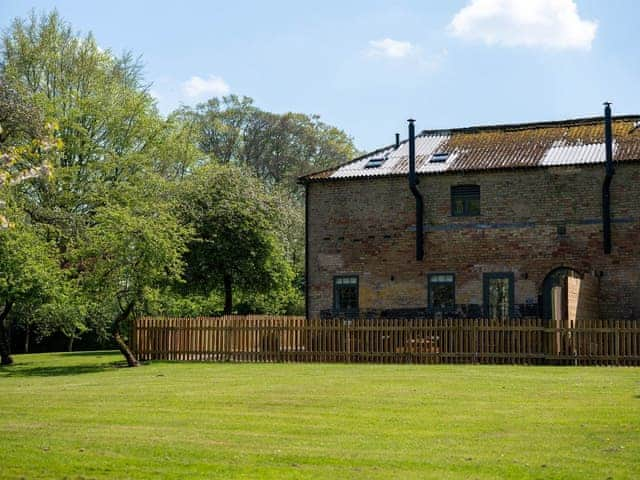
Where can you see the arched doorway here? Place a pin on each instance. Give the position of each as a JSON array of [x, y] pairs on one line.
[[554, 292]]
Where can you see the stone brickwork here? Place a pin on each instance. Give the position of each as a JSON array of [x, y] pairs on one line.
[[366, 227]]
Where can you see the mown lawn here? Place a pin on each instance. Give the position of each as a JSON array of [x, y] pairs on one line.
[[82, 416]]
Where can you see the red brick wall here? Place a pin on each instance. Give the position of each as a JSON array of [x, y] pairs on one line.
[[364, 227]]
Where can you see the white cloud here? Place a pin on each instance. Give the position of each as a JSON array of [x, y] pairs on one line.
[[390, 48], [552, 24], [213, 86]]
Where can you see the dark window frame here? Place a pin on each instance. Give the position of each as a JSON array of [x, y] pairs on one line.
[[429, 282], [439, 157], [458, 192], [335, 294], [375, 162], [486, 277]]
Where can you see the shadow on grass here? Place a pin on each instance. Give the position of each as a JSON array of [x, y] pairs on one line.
[[18, 370], [89, 353]]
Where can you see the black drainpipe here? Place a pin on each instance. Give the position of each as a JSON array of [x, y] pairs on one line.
[[413, 182], [306, 250], [606, 186]]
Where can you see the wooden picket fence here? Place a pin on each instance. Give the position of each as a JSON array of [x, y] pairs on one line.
[[256, 338]]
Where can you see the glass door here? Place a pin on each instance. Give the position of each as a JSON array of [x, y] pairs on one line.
[[498, 295]]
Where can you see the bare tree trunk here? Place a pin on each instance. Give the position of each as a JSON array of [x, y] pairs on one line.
[[228, 294], [5, 347], [70, 344], [132, 361]]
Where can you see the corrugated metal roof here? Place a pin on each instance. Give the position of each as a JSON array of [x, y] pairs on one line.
[[569, 142]]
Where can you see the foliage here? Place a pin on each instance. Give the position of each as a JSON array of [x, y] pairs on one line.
[[99, 101], [28, 266], [134, 244], [27, 147], [29, 275], [236, 244], [183, 302], [277, 147], [105, 208], [130, 188]]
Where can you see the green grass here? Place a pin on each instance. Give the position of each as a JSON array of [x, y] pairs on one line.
[[82, 416]]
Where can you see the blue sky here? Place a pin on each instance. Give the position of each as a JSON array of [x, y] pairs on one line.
[[367, 66]]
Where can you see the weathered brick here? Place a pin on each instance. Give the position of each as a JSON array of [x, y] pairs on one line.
[[364, 227]]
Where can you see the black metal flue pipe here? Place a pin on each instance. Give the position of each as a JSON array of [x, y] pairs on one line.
[[413, 186], [606, 185]]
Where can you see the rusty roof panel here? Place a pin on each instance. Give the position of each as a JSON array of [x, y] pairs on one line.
[[570, 142]]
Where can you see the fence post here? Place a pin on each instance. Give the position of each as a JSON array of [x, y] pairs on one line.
[[617, 342], [226, 339], [474, 336]]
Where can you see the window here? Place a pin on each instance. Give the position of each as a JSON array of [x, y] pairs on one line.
[[375, 162], [465, 200], [439, 157], [441, 291], [498, 295], [345, 294]]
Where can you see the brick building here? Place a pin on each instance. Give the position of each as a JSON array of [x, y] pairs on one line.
[[514, 224]]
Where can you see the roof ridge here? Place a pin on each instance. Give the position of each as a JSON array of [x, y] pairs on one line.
[[529, 125]]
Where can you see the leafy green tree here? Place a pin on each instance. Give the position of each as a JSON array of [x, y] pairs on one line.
[[105, 208], [175, 151], [26, 144], [65, 312], [236, 243], [133, 248], [99, 100], [221, 123], [106, 216], [29, 275], [105, 116], [277, 147]]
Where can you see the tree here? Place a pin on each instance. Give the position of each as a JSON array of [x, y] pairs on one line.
[[65, 312], [277, 148], [221, 123], [107, 216], [29, 274], [236, 243], [99, 100], [26, 144], [105, 209], [133, 247]]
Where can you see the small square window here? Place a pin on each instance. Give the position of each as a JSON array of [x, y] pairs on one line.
[[345, 294], [465, 200]]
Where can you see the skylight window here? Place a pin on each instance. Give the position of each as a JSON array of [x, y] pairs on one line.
[[375, 162], [439, 157]]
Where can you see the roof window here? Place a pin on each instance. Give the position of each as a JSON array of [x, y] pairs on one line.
[[375, 162], [439, 157]]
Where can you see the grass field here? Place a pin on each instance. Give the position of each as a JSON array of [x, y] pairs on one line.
[[81, 416]]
